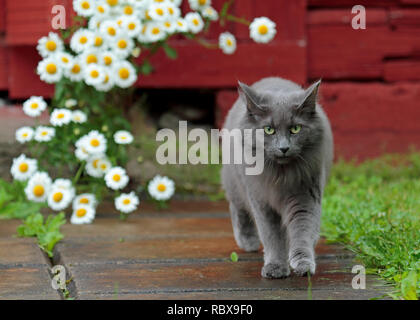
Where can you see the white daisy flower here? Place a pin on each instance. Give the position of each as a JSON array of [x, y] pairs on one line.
[[95, 22], [161, 188], [94, 74], [59, 198], [70, 103], [98, 41], [108, 59], [107, 84], [84, 8], [262, 30], [124, 74], [23, 168], [227, 42], [116, 178], [92, 167], [81, 154], [158, 12], [114, 3], [129, 10], [194, 21], [123, 137], [122, 46], [176, 2], [139, 4], [75, 71], [49, 45], [199, 5], [110, 29], [38, 187], [131, 26], [24, 134], [78, 116], [49, 70], [210, 13], [44, 134], [87, 199], [126, 202], [173, 11], [83, 214], [143, 36], [155, 31], [60, 117], [102, 10], [64, 59], [169, 26], [95, 142], [104, 165], [81, 40], [89, 56], [64, 184], [181, 25], [34, 106]]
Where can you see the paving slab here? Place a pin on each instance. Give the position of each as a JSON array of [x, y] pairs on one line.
[[24, 269]]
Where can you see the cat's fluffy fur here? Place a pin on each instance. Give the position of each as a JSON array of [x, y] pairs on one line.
[[282, 206]]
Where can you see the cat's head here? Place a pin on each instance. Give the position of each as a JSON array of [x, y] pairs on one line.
[[290, 120]]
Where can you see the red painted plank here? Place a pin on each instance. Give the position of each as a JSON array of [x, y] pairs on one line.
[[401, 70], [344, 17], [351, 3], [410, 17], [212, 68], [24, 81], [3, 67], [410, 2], [2, 16]]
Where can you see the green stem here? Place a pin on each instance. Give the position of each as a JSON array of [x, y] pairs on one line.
[[206, 44], [238, 20], [79, 173]]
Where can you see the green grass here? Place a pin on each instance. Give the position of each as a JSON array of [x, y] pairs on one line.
[[374, 209]]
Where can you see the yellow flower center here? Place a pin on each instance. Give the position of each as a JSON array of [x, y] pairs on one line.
[[106, 79], [58, 196], [229, 42], [116, 177], [51, 68], [44, 133], [161, 187], [171, 10], [50, 45], [83, 39], [23, 167], [202, 2], [100, 9], [196, 22], [64, 59], [126, 201], [103, 166], [24, 135], [112, 3], [124, 73], [38, 190], [263, 29], [122, 44], [84, 201], [94, 74], [94, 143], [75, 69], [85, 5], [131, 26], [98, 41], [160, 11], [107, 60], [60, 116], [167, 24], [155, 31], [34, 105], [81, 212], [128, 10], [91, 59], [95, 163], [112, 31]]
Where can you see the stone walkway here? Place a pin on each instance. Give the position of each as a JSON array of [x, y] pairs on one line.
[[182, 254]]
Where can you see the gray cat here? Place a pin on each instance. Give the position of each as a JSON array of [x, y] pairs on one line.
[[282, 206]]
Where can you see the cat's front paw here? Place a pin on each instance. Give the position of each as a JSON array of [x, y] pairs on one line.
[[302, 266], [275, 270]]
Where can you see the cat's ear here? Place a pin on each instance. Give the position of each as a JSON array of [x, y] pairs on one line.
[[251, 99], [309, 101]]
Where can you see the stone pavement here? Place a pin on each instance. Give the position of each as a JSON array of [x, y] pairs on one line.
[[179, 254]]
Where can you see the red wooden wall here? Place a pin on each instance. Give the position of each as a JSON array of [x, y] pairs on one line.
[[371, 78]]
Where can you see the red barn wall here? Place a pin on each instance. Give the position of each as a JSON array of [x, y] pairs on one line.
[[371, 78]]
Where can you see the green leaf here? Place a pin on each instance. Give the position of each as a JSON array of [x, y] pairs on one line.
[[170, 52], [408, 286], [19, 210], [146, 68], [234, 257]]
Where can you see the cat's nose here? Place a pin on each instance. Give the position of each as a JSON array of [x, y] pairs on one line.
[[284, 150]]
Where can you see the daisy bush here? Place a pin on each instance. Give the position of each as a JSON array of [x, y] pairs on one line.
[[94, 66]]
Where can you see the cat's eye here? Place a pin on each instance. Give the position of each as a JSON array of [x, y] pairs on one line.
[[269, 130], [295, 129]]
